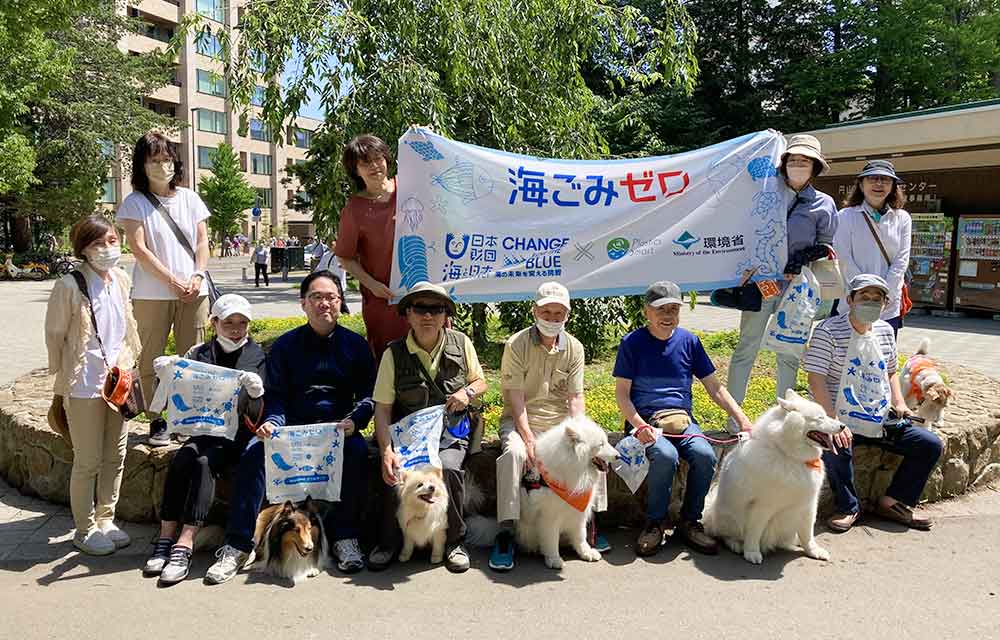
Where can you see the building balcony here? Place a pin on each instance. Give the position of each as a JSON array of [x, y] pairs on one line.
[[143, 44], [169, 93]]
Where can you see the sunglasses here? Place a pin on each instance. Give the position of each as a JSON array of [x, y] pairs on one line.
[[425, 309]]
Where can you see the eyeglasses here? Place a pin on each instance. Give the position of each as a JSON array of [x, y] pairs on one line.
[[317, 298], [425, 309], [879, 179]]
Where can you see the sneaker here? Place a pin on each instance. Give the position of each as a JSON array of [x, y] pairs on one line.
[[601, 544], [458, 559], [379, 559], [230, 561], [348, 555], [842, 522], [696, 538], [159, 558], [177, 567], [116, 535], [502, 556], [650, 539], [158, 436], [93, 542]]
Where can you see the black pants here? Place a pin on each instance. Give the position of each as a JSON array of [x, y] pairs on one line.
[[190, 486], [390, 536], [258, 269]]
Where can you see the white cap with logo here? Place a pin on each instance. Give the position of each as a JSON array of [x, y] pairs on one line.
[[229, 304], [549, 292]]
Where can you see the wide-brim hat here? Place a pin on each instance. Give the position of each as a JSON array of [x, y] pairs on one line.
[[806, 145], [879, 168], [426, 289]]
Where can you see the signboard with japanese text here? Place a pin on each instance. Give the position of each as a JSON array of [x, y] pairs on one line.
[[489, 225]]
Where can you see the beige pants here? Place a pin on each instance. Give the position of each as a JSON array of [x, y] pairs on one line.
[[99, 438], [155, 318], [510, 471]]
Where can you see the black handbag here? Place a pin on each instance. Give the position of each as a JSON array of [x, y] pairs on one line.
[[746, 297]]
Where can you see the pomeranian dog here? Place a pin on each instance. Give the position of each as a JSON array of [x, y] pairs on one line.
[[290, 540], [924, 389], [423, 512], [570, 459]]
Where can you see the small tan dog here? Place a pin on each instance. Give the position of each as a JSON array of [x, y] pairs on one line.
[[923, 387], [423, 512]]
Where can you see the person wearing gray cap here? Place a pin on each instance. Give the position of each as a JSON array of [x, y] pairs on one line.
[[811, 225], [851, 362], [653, 375], [873, 234]]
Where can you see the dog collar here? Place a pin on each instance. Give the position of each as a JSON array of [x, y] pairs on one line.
[[816, 464], [579, 501]]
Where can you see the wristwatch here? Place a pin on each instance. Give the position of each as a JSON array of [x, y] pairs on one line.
[[469, 391]]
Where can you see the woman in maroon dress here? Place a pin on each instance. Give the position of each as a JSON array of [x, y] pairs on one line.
[[366, 235]]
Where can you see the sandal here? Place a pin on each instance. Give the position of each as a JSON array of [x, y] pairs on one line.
[[905, 516]]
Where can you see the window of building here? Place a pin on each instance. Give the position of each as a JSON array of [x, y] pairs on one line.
[[211, 121], [212, 9], [206, 157], [259, 130], [264, 198], [159, 32], [257, 99], [208, 44], [110, 193], [260, 164], [211, 83], [302, 137]]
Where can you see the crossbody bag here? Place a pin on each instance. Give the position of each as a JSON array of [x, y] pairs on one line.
[[213, 291], [905, 304]]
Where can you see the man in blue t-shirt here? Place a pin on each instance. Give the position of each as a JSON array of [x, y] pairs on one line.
[[653, 374]]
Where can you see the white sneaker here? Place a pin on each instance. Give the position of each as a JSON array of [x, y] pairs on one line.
[[348, 554], [93, 543], [230, 561], [118, 537]]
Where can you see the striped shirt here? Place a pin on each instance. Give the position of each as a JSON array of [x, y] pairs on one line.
[[827, 349]]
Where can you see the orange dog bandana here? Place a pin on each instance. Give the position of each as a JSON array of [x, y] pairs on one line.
[[917, 365], [579, 501]]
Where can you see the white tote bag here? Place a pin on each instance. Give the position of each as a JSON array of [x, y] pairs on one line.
[[863, 394], [201, 399], [789, 328], [632, 465], [304, 460], [417, 438]]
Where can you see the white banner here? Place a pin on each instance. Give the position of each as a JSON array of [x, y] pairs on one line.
[[304, 460], [490, 225], [201, 398], [417, 438]]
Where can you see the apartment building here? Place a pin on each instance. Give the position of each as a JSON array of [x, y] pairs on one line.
[[198, 97]]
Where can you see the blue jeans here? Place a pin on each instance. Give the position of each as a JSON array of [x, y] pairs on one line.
[[920, 449], [343, 520], [664, 456]]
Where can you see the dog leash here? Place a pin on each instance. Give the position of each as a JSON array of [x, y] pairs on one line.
[[741, 436]]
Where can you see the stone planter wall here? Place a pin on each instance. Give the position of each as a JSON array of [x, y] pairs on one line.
[[38, 462]]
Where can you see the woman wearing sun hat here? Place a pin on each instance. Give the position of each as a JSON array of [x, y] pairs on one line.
[[811, 224], [873, 234]]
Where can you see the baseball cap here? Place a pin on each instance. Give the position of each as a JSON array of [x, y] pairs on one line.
[[663, 292], [552, 292], [229, 304], [863, 280]]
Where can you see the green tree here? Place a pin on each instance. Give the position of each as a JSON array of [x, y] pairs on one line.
[[226, 192]]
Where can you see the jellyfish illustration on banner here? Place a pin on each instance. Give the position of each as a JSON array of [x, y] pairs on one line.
[[304, 460]]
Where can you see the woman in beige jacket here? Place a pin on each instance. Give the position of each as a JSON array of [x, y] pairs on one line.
[[76, 358]]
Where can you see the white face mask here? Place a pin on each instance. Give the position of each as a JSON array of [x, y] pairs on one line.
[[549, 329], [160, 172], [230, 345], [798, 176], [104, 258]]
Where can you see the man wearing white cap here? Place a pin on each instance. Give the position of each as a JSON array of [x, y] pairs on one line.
[[851, 362], [542, 384]]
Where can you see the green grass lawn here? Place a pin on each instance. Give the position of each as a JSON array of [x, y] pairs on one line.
[[598, 381]]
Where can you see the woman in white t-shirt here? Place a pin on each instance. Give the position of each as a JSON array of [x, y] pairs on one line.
[[169, 288]]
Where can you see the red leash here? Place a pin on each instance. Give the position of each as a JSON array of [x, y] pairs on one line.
[[681, 436]]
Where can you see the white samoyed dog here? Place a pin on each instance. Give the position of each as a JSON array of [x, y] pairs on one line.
[[571, 457], [769, 486]]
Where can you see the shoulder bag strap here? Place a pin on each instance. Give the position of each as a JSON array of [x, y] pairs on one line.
[[878, 240], [81, 282], [181, 238]]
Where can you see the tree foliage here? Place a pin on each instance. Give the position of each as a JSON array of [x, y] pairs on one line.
[[226, 193]]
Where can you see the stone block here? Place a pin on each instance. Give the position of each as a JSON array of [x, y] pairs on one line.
[[989, 476], [956, 477]]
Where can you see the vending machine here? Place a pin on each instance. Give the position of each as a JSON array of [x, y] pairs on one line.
[[977, 284], [930, 258]]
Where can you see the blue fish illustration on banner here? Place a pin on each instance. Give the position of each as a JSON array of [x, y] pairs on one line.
[[304, 460], [200, 398], [417, 438], [492, 225]]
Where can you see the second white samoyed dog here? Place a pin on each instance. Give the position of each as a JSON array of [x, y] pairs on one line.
[[769, 486], [570, 459]]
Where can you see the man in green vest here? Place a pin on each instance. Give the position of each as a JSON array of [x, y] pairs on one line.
[[431, 366]]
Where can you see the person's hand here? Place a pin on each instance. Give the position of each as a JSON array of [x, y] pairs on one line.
[[390, 467], [789, 277], [380, 290], [178, 287], [744, 422], [902, 411], [645, 434], [265, 430], [163, 362], [347, 426], [457, 402], [193, 288], [843, 439], [529, 448], [252, 383]]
